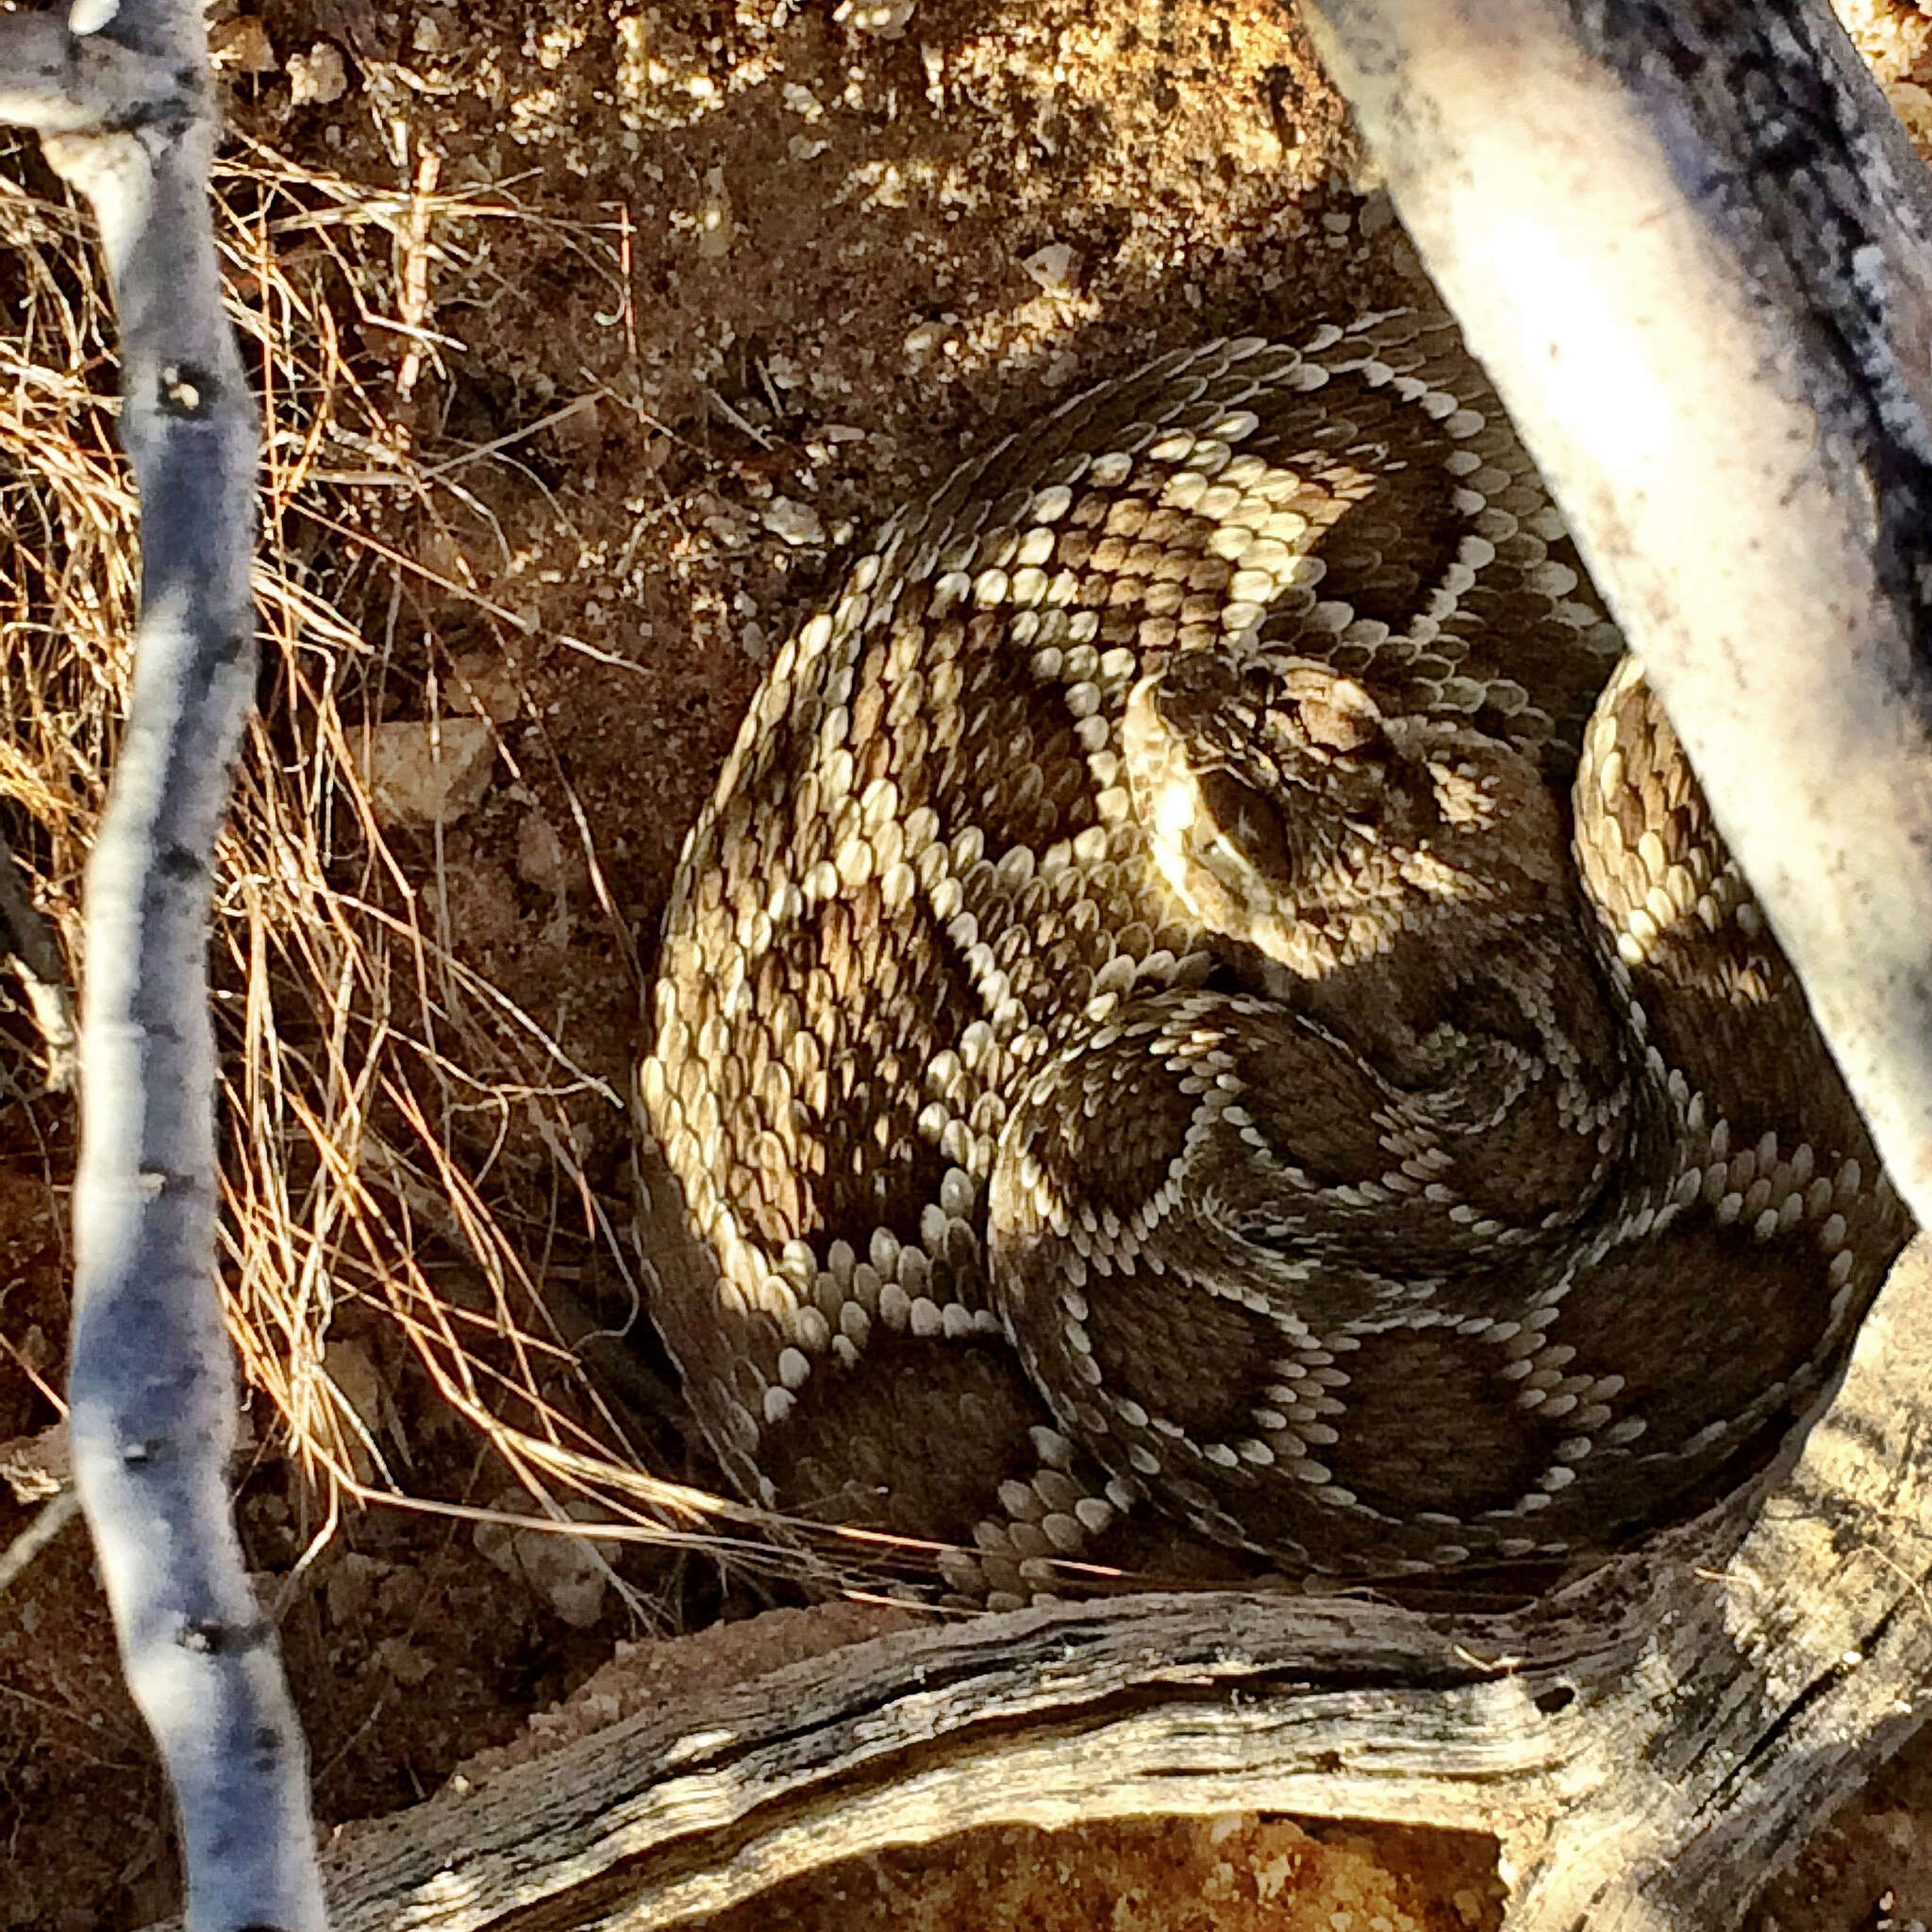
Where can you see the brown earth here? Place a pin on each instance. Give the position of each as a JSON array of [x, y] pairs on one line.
[[766, 273]]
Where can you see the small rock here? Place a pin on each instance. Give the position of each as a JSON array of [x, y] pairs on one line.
[[1378, 212], [319, 76], [419, 776], [540, 855], [1055, 268], [796, 522], [34, 1350], [37, 1467], [484, 684], [922, 339], [350, 1367], [565, 1572], [407, 1665], [716, 222], [350, 1591], [560, 1568], [730, 523], [885, 18], [242, 45]]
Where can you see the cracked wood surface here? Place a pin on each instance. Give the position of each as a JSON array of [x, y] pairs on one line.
[[1633, 1744]]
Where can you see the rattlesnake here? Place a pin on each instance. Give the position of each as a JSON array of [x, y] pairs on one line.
[[1143, 1022]]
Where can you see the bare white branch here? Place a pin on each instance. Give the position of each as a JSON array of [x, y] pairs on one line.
[[128, 120], [1691, 244]]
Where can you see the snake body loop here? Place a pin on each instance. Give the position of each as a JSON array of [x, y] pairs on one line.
[[1209, 996]]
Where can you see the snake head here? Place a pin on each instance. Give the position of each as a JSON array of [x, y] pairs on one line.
[[1287, 810]]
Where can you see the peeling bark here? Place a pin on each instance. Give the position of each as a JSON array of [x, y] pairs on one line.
[[1647, 1747]]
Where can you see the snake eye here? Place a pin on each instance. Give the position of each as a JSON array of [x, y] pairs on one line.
[[1249, 824]]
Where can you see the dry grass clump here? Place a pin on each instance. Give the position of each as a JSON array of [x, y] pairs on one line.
[[373, 1078]]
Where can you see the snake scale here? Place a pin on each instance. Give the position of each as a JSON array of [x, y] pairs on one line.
[[1208, 1011]]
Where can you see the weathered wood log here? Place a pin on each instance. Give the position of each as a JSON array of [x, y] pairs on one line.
[[1646, 1747]]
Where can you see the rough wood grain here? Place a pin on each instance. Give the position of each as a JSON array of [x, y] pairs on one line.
[[1635, 1745]]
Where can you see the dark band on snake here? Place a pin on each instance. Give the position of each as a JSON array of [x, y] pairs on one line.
[[1208, 1012]]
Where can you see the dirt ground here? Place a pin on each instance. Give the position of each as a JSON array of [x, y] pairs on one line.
[[681, 298]]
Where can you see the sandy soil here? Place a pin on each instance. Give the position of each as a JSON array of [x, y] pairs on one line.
[[769, 272]]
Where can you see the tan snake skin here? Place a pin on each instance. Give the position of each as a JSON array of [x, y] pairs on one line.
[[1208, 996]]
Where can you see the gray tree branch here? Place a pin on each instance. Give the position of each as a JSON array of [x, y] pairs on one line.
[[126, 115], [1647, 1747], [1690, 245]]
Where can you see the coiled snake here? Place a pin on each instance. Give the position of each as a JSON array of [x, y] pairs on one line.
[[1207, 982]]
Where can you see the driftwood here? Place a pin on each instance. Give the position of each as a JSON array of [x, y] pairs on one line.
[[1646, 1747]]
